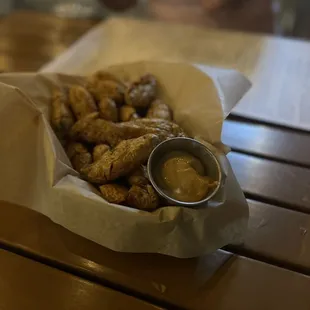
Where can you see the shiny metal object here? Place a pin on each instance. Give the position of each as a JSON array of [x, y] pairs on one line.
[[205, 154]]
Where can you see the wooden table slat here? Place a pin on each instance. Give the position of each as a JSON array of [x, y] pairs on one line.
[[268, 227], [268, 141], [240, 283], [218, 281], [277, 183], [26, 284], [163, 278], [279, 236]]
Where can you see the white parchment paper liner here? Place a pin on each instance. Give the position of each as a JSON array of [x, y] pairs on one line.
[[36, 173]]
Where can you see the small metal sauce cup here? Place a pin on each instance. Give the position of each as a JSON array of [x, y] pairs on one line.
[[192, 147]]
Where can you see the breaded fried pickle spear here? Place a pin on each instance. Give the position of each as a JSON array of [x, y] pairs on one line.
[[158, 109], [138, 177], [127, 113], [95, 130], [78, 155], [143, 197], [127, 156], [62, 118], [141, 93], [165, 126], [81, 101], [108, 109], [99, 150], [106, 88], [114, 193]]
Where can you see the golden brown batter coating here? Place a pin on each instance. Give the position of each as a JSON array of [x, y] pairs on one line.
[[81, 101], [170, 128], [138, 177], [95, 130], [127, 113], [99, 131], [62, 118], [143, 197], [79, 156], [99, 150], [107, 88], [127, 156], [106, 115], [108, 109], [158, 109], [104, 75], [114, 193], [141, 93]]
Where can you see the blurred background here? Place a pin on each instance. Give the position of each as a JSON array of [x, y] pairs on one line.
[[45, 28]]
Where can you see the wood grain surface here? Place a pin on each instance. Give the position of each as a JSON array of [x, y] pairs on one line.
[[278, 236], [268, 141], [271, 165], [26, 284], [240, 282], [275, 235], [270, 181], [269, 226]]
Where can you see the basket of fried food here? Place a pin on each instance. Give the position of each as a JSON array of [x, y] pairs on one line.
[[109, 128], [78, 147]]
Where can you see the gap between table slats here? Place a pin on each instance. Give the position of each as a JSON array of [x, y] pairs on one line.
[[277, 236], [244, 282], [272, 182], [267, 141], [27, 284], [285, 245]]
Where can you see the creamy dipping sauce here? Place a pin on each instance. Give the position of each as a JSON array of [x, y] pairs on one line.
[[184, 178]]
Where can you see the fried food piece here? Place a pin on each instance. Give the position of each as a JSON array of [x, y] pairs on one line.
[[138, 177], [79, 156], [125, 158], [141, 93], [104, 75], [173, 129], [107, 88], [158, 109], [62, 118], [92, 129], [143, 197], [81, 101], [99, 150], [99, 131], [108, 109], [127, 113], [114, 193]]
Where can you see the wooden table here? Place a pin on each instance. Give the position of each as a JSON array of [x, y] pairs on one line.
[[25, 284], [271, 270]]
